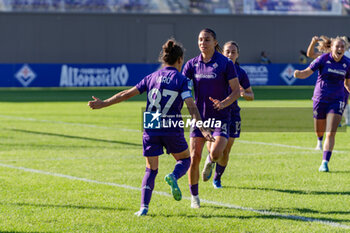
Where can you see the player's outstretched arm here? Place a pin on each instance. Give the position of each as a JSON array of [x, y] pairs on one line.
[[193, 110], [303, 74], [117, 98]]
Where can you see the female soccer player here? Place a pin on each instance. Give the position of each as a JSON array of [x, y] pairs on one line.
[[167, 89], [231, 50], [212, 74], [333, 75], [324, 46]]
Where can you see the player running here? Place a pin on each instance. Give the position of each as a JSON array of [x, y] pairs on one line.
[[212, 74], [324, 46], [166, 89], [333, 75], [231, 50]]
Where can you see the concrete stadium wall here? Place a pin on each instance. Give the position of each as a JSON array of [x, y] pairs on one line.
[[133, 38]]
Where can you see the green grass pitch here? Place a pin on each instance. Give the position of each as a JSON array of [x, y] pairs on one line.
[[66, 168]]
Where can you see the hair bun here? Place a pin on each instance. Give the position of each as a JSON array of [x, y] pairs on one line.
[[169, 46], [171, 51]]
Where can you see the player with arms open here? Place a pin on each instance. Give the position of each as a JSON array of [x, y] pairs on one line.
[[166, 89]]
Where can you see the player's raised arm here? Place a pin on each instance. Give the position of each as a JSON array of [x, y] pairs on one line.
[[311, 48], [117, 98]]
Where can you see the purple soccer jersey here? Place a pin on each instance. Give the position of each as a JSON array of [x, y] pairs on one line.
[[166, 91], [210, 79], [329, 86], [243, 82], [235, 121]]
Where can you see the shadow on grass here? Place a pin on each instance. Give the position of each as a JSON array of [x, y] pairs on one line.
[[346, 172], [66, 206], [275, 213], [73, 137], [301, 192]]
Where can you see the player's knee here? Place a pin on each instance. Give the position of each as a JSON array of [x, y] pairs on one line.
[[195, 158], [216, 154]]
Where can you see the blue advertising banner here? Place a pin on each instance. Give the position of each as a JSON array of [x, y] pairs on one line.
[[95, 75], [73, 75]]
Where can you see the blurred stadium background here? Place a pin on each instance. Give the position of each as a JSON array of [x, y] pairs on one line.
[[39, 33], [120, 32]]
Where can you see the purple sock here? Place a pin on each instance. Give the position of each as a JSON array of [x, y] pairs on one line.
[[181, 167], [327, 155], [147, 186], [320, 138], [194, 189], [219, 171]]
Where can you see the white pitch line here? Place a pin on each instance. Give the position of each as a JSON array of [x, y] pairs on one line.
[[262, 212], [283, 145]]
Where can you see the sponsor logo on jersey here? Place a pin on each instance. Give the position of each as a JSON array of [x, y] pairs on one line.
[[25, 75], [205, 76], [335, 71]]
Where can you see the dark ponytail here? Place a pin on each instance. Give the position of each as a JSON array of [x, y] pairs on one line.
[[171, 52]]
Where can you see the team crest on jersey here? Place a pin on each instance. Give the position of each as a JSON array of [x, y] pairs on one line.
[[25, 75], [344, 65], [215, 65], [328, 62], [196, 65]]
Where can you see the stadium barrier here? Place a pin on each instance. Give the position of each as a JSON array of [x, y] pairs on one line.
[[94, 75]]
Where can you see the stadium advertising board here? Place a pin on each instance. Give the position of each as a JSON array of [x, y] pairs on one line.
[[95, 75]]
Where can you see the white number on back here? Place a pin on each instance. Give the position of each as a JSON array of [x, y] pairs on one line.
[[154, 98]]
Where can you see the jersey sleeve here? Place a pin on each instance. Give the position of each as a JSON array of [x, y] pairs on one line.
[[142, 85], [231, 72], [186, 88], [188, 70], [244, 80], [315, 64]]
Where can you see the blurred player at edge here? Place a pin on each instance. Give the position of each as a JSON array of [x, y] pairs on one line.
[[333, 74], [324, 46], [212, 73], [231, 50], [167, 89]]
